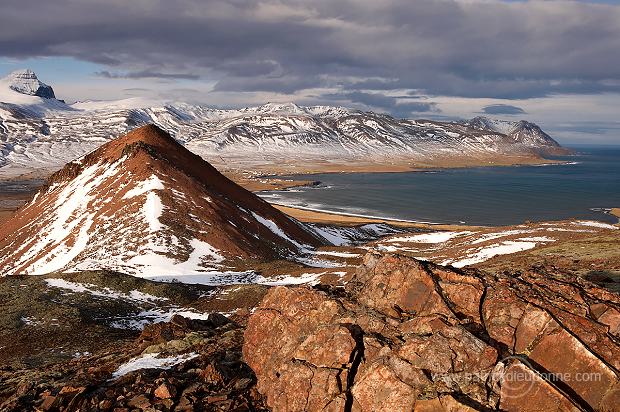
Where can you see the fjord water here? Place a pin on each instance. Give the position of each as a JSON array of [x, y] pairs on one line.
[[479, 196]]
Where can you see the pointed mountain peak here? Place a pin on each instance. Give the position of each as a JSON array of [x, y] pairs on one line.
[[494, 125], [522, 132], [149, 134], [25, 81], [24, 74], [150, 139]]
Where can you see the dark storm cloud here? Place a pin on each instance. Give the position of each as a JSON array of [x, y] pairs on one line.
[[281, 84], [589, 127], [390, 104], [146, 74], [510, 50], [502, 109]]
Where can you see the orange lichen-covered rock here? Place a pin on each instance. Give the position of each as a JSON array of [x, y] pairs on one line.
[[402, 338]]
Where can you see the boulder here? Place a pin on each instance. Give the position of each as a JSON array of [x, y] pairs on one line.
[[409, 335], [165, 391]]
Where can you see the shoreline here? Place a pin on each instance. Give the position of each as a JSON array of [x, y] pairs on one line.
[[357, 215], [291, 184], [309, 215], [270, 170], [259, 182]]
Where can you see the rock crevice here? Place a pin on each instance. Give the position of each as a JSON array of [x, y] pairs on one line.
[[407, 335]]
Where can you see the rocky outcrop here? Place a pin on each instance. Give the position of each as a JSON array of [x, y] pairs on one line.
[[408, 335], [213, 378]]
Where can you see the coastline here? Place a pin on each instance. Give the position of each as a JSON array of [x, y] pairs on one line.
[[257, 181], [260, 183], [308, 215], [265, 175], [274, 168]]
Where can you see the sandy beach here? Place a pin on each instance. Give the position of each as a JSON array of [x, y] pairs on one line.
[[313, 216]]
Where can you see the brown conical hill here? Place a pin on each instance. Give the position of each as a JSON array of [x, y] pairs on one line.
[[143, 204]]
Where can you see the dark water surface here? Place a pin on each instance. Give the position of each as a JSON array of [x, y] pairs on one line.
[[13, 194], [20, 186], [480, 196]]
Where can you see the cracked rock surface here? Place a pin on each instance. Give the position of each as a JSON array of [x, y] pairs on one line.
[[408, 335]]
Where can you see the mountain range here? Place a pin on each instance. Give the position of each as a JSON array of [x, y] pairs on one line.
[[38, 131]]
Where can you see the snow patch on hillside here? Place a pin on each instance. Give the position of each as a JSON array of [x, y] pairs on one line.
[[71, 212], [150, 262], [151, 361], [592, 223], [435, 237], [486, 253], [273, 227]]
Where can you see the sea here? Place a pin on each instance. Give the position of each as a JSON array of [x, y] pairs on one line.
[[10, 188], [585, 186]]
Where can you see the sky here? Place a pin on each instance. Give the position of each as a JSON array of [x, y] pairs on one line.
[[554, 62]]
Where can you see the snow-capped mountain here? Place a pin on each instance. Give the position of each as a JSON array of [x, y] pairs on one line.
[[23, 96], [44, 133], [522, 132], [26, 82], [143, 204]]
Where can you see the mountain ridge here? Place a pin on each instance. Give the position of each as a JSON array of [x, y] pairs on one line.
[[521, 130], [46, 133]]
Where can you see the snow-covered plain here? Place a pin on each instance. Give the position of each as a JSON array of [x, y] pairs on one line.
[[337, 254], [156, 315], [153, 309], [243, 278]]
